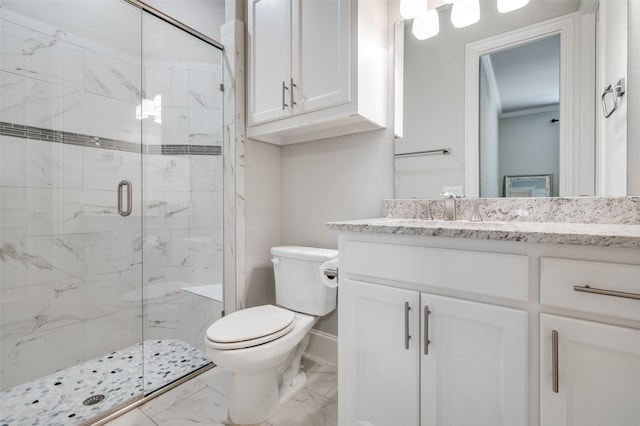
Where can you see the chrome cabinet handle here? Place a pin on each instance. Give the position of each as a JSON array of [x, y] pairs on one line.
[[427, 312], [407, 337], [616, 90], [126, 212], [291, 93], [555, 379], [284, 88], [605, 292]]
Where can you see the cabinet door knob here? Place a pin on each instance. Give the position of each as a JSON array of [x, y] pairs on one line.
[[427, 312]]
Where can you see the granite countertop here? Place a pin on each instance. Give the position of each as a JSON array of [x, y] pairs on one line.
[[584, 234]]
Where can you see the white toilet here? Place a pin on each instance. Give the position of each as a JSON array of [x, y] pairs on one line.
[[262, 346]]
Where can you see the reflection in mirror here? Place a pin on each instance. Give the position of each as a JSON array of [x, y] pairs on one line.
[[438, 112], [518, 119]]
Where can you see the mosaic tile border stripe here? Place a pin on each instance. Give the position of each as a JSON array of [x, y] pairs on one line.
[[79, 139]]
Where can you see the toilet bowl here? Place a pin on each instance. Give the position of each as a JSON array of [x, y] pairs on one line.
[[262, 346]]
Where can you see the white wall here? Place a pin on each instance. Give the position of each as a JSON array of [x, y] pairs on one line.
[[262, 220], [612, 152], [633, 94], [529, 145], [489, 135], [334, 179]]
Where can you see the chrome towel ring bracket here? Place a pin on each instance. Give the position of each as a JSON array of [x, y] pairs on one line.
[[616, 91]]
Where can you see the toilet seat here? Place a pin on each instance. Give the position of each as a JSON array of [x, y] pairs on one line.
[[250, 327]]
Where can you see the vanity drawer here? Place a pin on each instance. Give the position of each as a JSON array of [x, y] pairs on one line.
[[620, 282], [491, 274]]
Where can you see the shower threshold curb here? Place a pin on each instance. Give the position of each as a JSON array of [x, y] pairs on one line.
[[135, 402]]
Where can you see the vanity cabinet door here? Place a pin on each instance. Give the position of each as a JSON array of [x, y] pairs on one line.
[[315, 69], [269, 59], [474, 368], [590, 375], [298, 57], [378, 374], [320, 60]]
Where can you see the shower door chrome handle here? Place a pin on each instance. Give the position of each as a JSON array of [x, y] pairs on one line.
[[126, 212]]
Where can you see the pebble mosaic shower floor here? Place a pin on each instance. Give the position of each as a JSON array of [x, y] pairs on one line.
[[58, 399]]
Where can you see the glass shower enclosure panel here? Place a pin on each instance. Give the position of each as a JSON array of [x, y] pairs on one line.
[[181, 115], [70, 253]]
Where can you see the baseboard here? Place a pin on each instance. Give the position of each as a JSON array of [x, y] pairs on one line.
[[323, 345]]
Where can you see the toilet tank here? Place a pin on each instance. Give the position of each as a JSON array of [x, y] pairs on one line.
[[298, 284]]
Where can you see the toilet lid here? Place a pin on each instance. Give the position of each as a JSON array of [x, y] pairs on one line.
[[250, 327]]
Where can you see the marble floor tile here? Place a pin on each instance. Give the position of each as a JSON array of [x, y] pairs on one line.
[[333, 393], [218, 380], [204, 400], [307, 409], [205, 407], [321, 375], [132, 418], [171, 397]]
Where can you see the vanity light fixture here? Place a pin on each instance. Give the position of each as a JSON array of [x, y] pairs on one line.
[[505, 6], [410, 9], [426, 25], [463, 13], [150, 108]]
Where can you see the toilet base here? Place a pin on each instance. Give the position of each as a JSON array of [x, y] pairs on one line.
[[260, 396], [288, 390]]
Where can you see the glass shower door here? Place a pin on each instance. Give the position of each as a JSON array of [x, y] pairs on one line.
[[70, 258], [182, 198]]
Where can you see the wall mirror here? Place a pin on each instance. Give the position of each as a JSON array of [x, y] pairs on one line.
[[516, 94]]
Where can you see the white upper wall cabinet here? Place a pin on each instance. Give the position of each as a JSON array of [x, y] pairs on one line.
[[317, 69]]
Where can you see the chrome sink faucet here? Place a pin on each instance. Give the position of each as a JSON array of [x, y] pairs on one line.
[[449, 205]]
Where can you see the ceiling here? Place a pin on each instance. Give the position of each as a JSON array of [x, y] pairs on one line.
[[528, 76]]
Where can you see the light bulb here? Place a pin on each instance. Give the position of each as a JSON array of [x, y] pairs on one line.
[[505, 6], [157, 102], [410, 9], [426, 26], [465, 13]]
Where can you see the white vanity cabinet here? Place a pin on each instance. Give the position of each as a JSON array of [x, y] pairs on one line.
[[379, 366], [411, 357], [590, 371], [473, 371], [446, 332], [315, 68]]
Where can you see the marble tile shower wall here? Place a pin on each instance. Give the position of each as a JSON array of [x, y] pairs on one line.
[[71, 271]]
